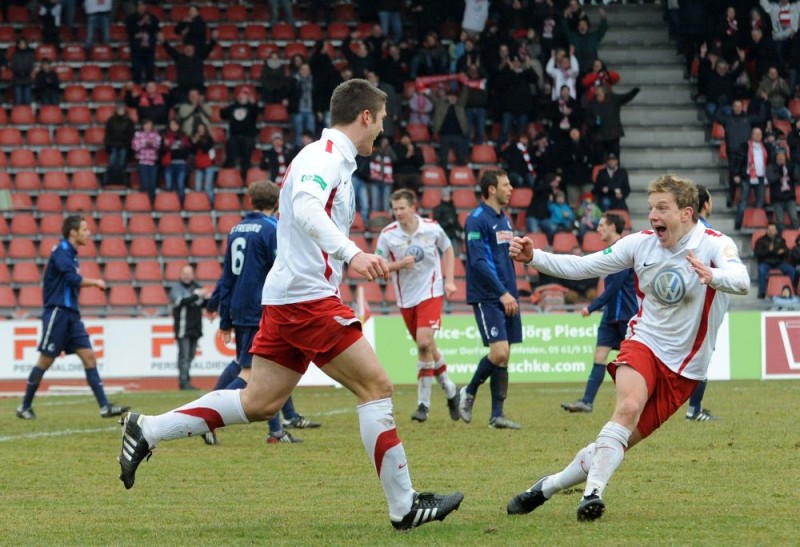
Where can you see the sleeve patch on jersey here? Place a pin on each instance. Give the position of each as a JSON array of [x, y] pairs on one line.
[[473, 236], [314, 178], [608, 251], [730, 252], [378, 252]]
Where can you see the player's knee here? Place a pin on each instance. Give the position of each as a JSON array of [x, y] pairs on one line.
[[628, 410], [499, 356]]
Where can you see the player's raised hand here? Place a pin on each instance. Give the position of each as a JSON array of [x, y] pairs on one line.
[[370, 266], [521, 249], [703, 271]]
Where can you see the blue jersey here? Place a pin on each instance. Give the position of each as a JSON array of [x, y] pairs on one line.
[[490, 270], [252, 247], [619, 298], [61, 278]]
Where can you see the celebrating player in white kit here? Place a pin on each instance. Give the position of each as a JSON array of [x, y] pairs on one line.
[[415, 248], [683, 275]]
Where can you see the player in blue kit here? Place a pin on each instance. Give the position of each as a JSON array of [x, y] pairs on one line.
[[63, 329], [251, 251], [492, 291], [619, 303]]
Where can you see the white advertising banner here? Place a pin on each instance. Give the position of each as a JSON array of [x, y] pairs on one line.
[[126, 348]]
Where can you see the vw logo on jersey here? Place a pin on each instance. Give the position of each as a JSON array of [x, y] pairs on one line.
[[669, 287], [417, 252]]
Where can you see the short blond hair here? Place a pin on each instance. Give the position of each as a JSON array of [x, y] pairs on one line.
[[683, 190]]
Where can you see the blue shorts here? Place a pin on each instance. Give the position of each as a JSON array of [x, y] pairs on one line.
[[64, 331], [495, 326], [610, 334], [244, 341]]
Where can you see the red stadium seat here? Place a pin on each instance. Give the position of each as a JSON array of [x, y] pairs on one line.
[[24, 224], [462, 176], [67, 136], [236, 13], [79, 157], [137, 202], [310, 32], [754, 218], [104, 94], [264, 50], [282, 32], [95, 136], [295, 48], [22, 115], [226, 222], [50, 115], [50, 225], [171, 225], [520, 198], [92, 301], [21, 158], [117, 272], [172, 270], [464, 198], [204, 247], [108, 203], [210, 13], [49, 203], [81, 115], [565, 242], [483, 153], [50, 158], [88, 73], [227, 33], [141, 224], [167, 202], [39, 136], [75, 94], [258, 33], [776, 283], [217, 92], [229, 178], [21, 249], [101, 53], [430, 198], [119, 73], [539, 240], [84, 181], [240, 52], [21, 202], [122, 296], [30, 297], [10, 136], [5, 279], [27, 181], [147, 271], [79, 203], [433, 176], [111, 225], [208, 270], [143, 247], [233, 72], [113, 247], [174, 247], [338, 31], [226, 201], [418, 132], [592, 242], [153, 295], [56, 181], [276, 113], [201, 225], [196, 202]]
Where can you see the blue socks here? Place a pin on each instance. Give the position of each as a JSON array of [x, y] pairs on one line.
[[484, 370], [237, 383], [696, 400], [596, 376], [93, 379], [34, 379], [499, 389], [288, 410], [228, 375]]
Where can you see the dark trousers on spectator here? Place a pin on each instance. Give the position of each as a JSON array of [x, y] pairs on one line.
[[148, 180], [143, 63], [238, 149], [117, 160], [601, 148], [187, 347], [459, 145]]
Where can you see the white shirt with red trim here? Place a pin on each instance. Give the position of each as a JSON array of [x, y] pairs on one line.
[[317, 207], [678, 316], [424, 280]]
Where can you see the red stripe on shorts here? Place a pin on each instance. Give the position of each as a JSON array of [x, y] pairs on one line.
[[210, 416], [386, 441]]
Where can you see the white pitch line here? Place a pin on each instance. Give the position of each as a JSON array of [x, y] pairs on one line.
[[41, 434]]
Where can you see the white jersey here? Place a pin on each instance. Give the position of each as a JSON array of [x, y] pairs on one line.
[[678, 316], [317, 206], [426, 245]]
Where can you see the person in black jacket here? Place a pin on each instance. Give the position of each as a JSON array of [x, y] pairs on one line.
[[142, 28], [612, 187], [192, 29], [603, 118], [118, 137], [771, 252], [242, 116], [276, 159], [738, 127], [46, 84], [408, 164], [188, 299], [189, 66], [22, 63], [782, 179], [516, 83], [447, 216]]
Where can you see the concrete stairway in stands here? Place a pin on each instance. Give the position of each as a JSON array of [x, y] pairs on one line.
[[665, 131]]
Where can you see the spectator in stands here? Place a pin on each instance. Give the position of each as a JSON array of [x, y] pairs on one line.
[[563, 69], [117, 140], [150, 103], [68, 16], [276, 159], [538, 211], [98, 18], [754, 173], [301, 103], [142, 27], [394, 104], [589, 215], [242, 116], [728, 34], [420, 107], [450, 124], [447, 216], [431, 58], [738, 128], [785, 18], [276, 6], [408, 163], [612, 187], [518, 162], [381, 175], [326, 78], [204, 156], [22, 64], [543, 154], [548, 29], [192, 29], [358, 56], [476, 12], [599, 76], [531, 46], [778, 93], [193, 113], [315, 7], [573, 14], [787, 301], [574, 158], [389, 14], [771, 252], [476, 105], [564, 114], [189, 65], [393, 68], [275, 86], [760, 111], [516, 85], [188, 299], [761, 54], [176, 150], [794, 64], [793, 141], [147, 144], [583, 42], [605, 124], [470, 55], [782, 180], [47, 85], [360, 178], [561, 219], [794, 260], [720, 87], [50, 18]]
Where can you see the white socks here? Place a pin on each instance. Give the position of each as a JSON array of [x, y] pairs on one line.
[[213, 410], [609, 451], [379, 435], [424, 382], [573, 474], [440, 373]]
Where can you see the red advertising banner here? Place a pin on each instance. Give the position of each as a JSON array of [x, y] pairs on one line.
[[781, 348]]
